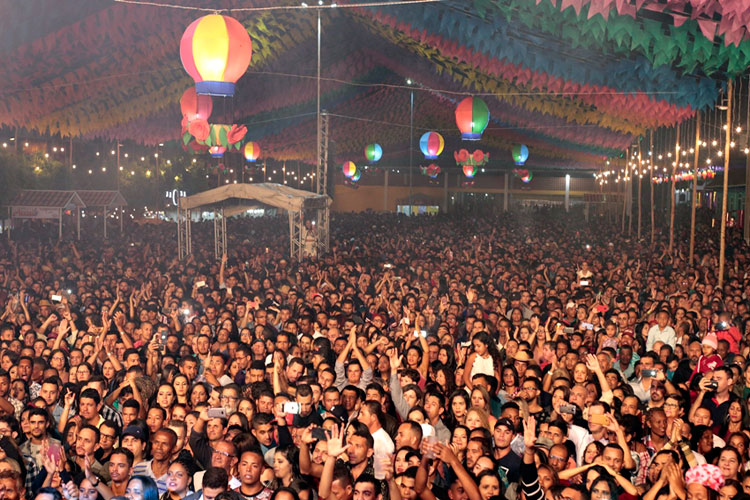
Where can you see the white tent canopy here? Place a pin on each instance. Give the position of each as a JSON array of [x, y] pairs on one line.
[[275, 195], [232, 199]]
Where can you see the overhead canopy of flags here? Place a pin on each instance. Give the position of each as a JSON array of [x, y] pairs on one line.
[[574, 80]]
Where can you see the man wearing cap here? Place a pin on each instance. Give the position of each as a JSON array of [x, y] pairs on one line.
[[506, 458], [134, 440]]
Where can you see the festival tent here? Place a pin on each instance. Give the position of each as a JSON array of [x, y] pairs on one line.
[[232, 199]]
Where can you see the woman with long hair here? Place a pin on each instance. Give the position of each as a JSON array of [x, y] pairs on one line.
[[181, 386], [198, 394], [286, 472], [476, 418], [509, 383], [458, 405], [141, 488], [480, 398], [484, 359], [165, 398], [736, 419]]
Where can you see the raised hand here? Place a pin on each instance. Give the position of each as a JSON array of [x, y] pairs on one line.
[[592, 363], [395, 361], [336, 446], [445, 453], [529, 433]]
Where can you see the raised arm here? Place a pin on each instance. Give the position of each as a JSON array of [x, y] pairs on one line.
[[445, 453], [336, 448]]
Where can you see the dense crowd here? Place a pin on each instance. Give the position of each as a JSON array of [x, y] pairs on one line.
[[465, 357]]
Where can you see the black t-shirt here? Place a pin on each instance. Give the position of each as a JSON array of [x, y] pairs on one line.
[[511, 465]]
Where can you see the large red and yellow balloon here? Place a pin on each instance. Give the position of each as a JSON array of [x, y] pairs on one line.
[[216, 51]]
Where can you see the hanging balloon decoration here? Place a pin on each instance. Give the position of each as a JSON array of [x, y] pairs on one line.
[[431, 144], [252, 151], [472, 117], [195, 106], [470, 171], [227, 136], [523, 174], [357, 175], [217, 151], [431, 171], [349, 169], [520, 154], [470, 162], [373, 152], [216, 51]]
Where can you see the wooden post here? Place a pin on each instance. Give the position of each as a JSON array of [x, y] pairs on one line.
[[693, 201], [725, 190], [671, 191], [650, 181]]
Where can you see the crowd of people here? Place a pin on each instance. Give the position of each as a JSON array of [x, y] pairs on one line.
[[453, 357]]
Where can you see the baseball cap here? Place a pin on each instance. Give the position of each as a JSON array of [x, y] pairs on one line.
[[135, 431], [506, 422]]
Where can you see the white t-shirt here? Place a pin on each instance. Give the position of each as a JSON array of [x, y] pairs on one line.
[[383, 443]]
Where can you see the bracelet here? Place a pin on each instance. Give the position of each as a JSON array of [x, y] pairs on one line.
[[97, 482]]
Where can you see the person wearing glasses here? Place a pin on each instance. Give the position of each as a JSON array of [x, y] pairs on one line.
[[223, 456], [108, 433], [230, 398]]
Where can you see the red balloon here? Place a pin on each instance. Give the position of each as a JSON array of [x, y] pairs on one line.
[[195, 106]]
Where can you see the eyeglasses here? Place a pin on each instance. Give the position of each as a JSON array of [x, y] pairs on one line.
[[219, 452], [111, 437], [672, 405], [229, 398]]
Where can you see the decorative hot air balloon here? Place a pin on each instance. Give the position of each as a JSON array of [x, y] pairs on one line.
[[357, 175], [431, 144], [217, 151], [195, 106], [520, 154], [215, 51], [252, 151], [349, 169], [469, 171], [527, 178], [373, 152], [472, 117]]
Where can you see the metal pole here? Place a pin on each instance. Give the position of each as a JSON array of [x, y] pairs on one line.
[[624, 190], [671, 191], [651, 181], [725, 190], [104, 215], [70, 158], [640, 180], [319, 124], [693, 201], [567, 192], [117, 170], [59, 225], [746, 222], [411, 143]]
